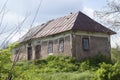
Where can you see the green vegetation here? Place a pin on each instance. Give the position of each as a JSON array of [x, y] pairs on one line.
[[116, 54], [61, 68], [5, 62]]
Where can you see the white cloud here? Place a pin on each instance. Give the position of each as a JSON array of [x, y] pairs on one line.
[[115, 40], [13, 37], [12, 18], [88, 11], [49, 9], [18, 35]]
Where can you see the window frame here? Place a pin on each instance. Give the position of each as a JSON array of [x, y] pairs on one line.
[[50, 47], [85, 45], [61, 45], [16, 51]]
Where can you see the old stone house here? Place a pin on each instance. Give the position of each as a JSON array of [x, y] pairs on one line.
[[75, 35]]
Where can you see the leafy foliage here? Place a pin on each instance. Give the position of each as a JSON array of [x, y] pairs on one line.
[[59, 68], [5, 62], [115, 54], [108, 72]]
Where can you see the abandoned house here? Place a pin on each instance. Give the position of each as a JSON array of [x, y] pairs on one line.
[[75, 35]]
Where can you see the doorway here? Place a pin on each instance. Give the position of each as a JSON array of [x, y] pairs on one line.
[[29, 51], [37, 51]]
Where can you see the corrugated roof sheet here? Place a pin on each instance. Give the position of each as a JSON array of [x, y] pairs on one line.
[[76, 21], [31, 33], [57, 26]]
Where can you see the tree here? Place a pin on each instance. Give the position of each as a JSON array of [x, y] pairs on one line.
[[111, 14]]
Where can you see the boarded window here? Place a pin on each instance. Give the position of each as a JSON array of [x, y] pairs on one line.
[[61, 45], [85, 43], [50, 47]]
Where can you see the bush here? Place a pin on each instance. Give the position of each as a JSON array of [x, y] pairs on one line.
[[115, 75], [108, 72], [115, 55], [96, 68], [84, 66], [94, 61], [59, 64], [5, 61], [41, 62], [61, 58]]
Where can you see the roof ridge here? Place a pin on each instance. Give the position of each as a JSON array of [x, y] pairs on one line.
[[77, 13]]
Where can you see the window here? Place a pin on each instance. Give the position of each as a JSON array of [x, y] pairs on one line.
[[50, 47], [85, 42], [29, 44], [16, 51], [61, 45]]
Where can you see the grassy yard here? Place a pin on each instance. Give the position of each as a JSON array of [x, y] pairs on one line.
[[61, 68], [68, 76], [57, 76]]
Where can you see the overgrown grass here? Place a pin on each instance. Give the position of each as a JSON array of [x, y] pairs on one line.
[[67, 76], [60, 68], [55, 76]]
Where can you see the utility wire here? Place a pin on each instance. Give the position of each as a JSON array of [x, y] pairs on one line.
[[11, 35], [17, 56], [36, 14], [4, 6], [2, 12]]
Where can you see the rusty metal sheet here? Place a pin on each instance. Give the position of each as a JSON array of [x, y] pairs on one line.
[[76, 21]]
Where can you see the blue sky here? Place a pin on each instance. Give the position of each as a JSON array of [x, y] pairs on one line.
[[49, 9], [17, 9]]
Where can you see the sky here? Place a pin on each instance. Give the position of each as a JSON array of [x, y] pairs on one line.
[[17, 10]]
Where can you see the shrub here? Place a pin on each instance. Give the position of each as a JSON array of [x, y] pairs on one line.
[[84, 66], [61, 58], [57, 64], [41, 62], [115, 55], [108, 72], [115, 75], [94, 61], [4, 61]]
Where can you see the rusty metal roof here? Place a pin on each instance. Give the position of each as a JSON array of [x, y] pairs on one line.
[[76, 21], [31, 33], [58, 25]]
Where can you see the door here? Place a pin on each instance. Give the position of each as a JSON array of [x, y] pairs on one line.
[[29, 50], [37, 51]]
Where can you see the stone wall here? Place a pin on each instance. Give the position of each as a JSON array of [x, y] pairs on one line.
[[22, 51], [97, 45], [67, 47], [43, 42]]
